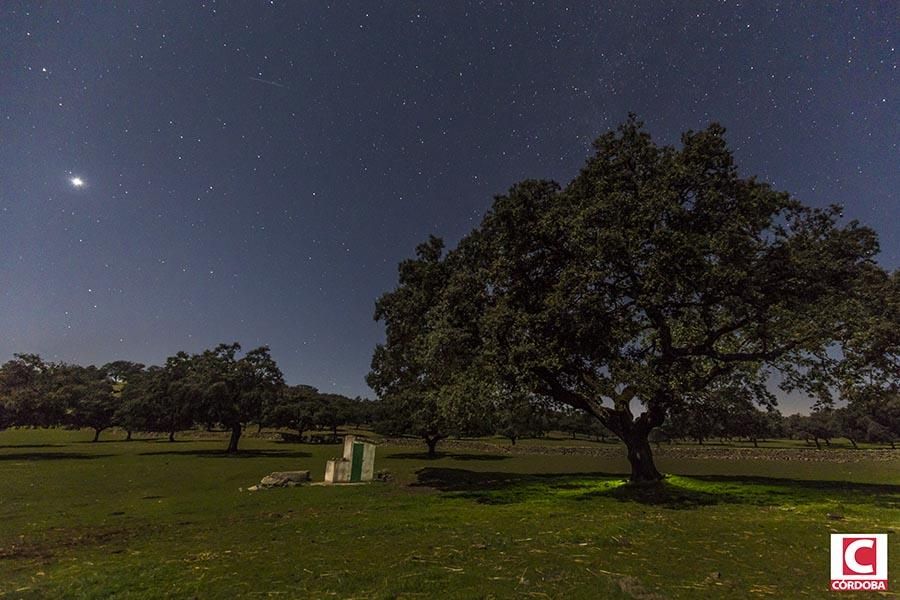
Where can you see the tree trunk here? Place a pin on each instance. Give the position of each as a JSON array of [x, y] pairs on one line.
[[641, 458], [235, 436], [96, 434], [172, 435], [258, 428], [755, 443], [852, 441], [818, 445], [128, 438], [432, 445], [513, 440]]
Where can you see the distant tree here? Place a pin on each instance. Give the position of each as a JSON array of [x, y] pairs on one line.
[[797, 427], [657, 273], [361, 411], [878, 433], [402, 416], [852, 423], [575, 423], [753, 423], [740, 416], [726, 411], [661, 434], [567, 421], [875, 419], [294, 408], [821, 425], [886, 415], [407, 379], [161, 399], [89, 397], [25, 383], [234, 391], [521, 417], [131, 414], [776, 427], [175, 395], [700, 418], [332, 411], [120, 372]]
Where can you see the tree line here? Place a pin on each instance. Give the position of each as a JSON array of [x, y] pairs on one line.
[[853, 423], [722, 418], [214, 388]]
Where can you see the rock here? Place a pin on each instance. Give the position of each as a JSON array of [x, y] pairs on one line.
[[296, 476], [384, 475], [252, 488], [284, 479]]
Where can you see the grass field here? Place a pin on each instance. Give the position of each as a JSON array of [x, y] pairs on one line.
[[150, 518]]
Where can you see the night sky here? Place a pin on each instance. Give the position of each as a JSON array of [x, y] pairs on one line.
[[178, 174]]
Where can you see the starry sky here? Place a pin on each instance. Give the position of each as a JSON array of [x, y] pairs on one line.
[[177, 174]]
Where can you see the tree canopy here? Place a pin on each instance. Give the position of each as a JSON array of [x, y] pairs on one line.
[[656, 274], [234, 391]]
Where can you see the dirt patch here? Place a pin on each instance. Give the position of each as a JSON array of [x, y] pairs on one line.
[[61, 539]]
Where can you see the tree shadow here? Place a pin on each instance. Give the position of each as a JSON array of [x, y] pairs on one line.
[[10, 446], [51, 456], [884, 495], [706, 490], [447, 479], [225, 454], [453, 455], [676, 492], [663, 494]]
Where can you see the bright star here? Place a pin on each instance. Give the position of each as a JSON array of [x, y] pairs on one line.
[[77, 182]]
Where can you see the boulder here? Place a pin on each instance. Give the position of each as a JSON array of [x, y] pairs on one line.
[[284, 479]]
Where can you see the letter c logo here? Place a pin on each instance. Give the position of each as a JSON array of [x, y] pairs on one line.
[[850, 556]]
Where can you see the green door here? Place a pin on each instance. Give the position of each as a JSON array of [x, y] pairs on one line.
[[356, 463]]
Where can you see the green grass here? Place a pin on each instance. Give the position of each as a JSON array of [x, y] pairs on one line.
[[156, 519]]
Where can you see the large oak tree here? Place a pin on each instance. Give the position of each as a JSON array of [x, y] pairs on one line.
[[656, 274]]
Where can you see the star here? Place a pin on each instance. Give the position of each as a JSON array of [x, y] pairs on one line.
[[76, 182]]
